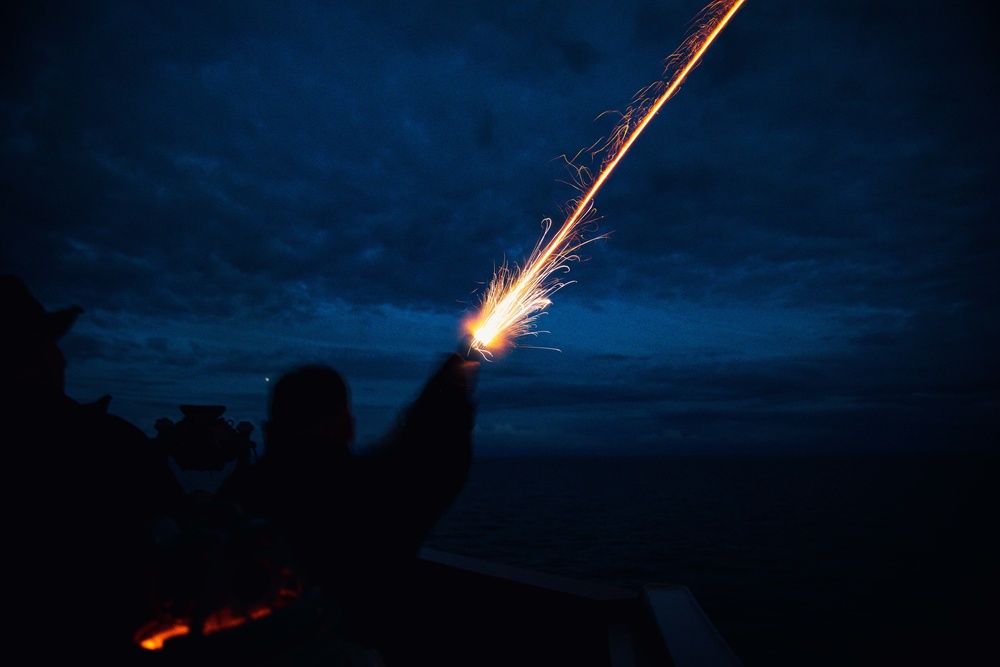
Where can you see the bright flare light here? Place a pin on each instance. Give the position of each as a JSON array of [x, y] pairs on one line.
[[517, 296]]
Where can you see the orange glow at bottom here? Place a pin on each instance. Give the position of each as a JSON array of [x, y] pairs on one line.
[[154, 635]]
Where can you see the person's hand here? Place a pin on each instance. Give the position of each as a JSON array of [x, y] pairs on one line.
[[470, 373], [460, 373]]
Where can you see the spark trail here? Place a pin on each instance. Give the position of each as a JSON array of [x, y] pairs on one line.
[[517, 295]]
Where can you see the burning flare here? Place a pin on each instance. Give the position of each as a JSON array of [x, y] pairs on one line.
[[516, 296]]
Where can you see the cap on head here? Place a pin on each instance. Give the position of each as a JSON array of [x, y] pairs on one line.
[[25, 317]]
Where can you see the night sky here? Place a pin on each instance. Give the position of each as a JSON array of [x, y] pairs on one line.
[[802, 250]]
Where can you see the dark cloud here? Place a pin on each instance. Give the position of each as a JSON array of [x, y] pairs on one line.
[[799, 250]]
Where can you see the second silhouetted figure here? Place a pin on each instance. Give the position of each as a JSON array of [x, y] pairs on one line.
[[356, 521]]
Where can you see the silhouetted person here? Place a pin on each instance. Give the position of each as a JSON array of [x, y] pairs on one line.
[[81, 487], [356, 520]]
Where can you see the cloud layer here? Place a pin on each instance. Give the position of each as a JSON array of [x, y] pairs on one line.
[[802, 247]]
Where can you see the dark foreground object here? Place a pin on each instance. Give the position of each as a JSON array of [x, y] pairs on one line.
[[473, 613], [490, 614]]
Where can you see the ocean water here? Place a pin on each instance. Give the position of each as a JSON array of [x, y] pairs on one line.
[[860, 560]]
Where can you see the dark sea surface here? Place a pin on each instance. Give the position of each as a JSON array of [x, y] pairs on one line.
[[855, 560]]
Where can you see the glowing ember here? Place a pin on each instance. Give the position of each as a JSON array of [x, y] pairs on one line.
[[155, 634], [517, 296], [284, 590], [152, 636]]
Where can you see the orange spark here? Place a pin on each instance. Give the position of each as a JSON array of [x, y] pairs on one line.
[[516, 295]]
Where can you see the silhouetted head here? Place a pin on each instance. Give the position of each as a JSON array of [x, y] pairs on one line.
[[311, 401], [29, 340]]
